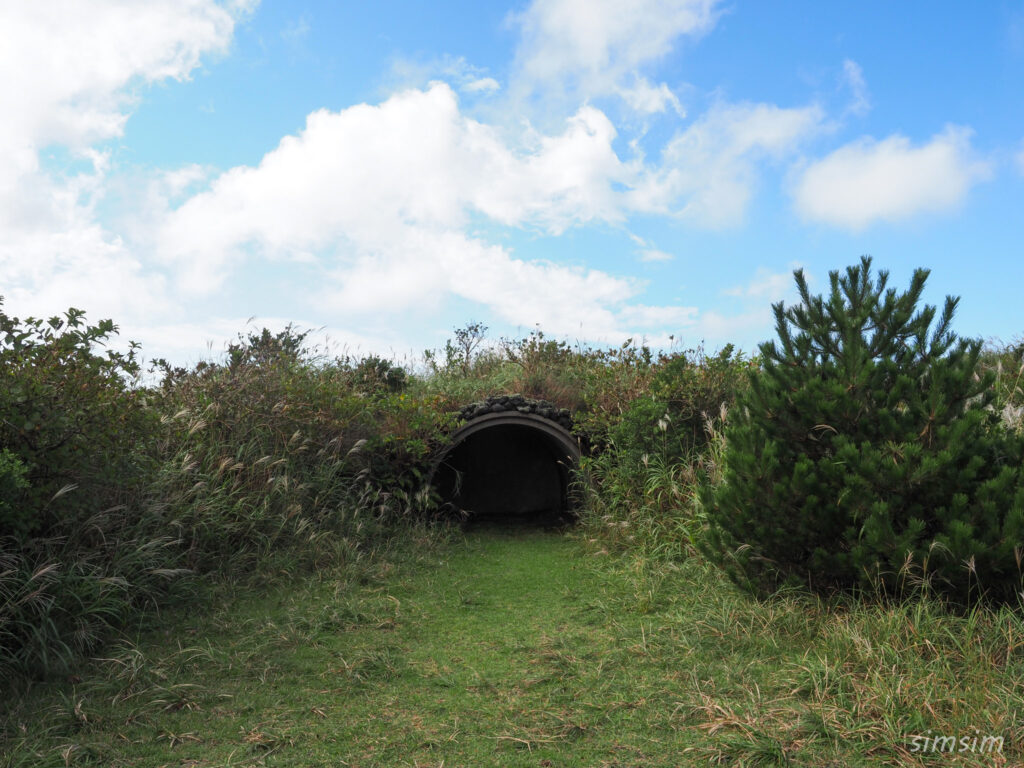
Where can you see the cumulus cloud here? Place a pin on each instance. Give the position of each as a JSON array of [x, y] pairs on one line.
[[593, 47], [361, 173], [868, 181], [74, 61], [383, 197], [708, 172], [77, 65]]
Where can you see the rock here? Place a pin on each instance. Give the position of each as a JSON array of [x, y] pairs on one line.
[[520, 404]]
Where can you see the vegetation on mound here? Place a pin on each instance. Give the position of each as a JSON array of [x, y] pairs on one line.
[[120, 494]]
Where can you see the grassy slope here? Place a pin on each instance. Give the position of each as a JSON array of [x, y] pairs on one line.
[[519, 649]]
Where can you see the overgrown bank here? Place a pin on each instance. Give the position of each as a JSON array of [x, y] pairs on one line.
[[118, 498], [118, 495]]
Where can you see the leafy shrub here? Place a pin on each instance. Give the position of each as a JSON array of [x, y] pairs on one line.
[[548, 369], [373, 375], [111, 490], [79, 551], [611, 382], [684, 391], [15, 515], [864, 455], [70, 416]]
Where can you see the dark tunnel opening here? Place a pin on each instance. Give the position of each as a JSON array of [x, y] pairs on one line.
[[503, 473]]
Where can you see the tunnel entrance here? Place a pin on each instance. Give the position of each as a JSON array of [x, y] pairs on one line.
[[509, 468]]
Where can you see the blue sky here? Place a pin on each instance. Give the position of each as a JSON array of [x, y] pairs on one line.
[[384, 172]]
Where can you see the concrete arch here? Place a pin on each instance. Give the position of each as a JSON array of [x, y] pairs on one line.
[[508, 466]]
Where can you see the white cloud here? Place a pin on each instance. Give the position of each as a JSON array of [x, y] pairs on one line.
[[766, 286], [384, 196], [709, 171], [77, 65], [591, 47], [671, 318], [746, 329], [418, 73], [75, 60], [653, 254], [860, 101], [385, 199], [647, 99], [482, 85], [889, 180], [361, 174]]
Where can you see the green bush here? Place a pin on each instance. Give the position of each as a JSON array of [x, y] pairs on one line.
[[80, 548], [686, 389], [864, 454], [15, 515], [655, 449], [69, 414]]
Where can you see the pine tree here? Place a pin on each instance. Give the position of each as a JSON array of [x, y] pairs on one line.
[[863, 454]]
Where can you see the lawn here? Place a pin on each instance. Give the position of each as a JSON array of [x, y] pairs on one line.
[[532, 648]]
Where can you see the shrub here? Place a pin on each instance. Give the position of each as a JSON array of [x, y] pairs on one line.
[[656, 448], [276, 452], [686, 389], [79, 549], [375, 375], [15, 515], [69, 415], [864, 454]]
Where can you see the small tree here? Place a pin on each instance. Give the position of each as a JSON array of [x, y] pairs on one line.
[[462, 352], [862, 454]]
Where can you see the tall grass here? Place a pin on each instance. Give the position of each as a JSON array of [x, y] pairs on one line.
[[114, 496], [1007, 362], [270, 457], [657, 424], [651, 508]]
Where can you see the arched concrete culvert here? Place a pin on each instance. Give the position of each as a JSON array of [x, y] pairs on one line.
[[509, 467]]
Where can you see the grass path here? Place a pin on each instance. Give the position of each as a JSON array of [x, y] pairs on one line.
[[517, 649]]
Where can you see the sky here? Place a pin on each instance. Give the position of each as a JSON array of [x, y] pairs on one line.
[[383, 173]]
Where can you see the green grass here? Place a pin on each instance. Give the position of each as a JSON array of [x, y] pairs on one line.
[[524, 648]]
